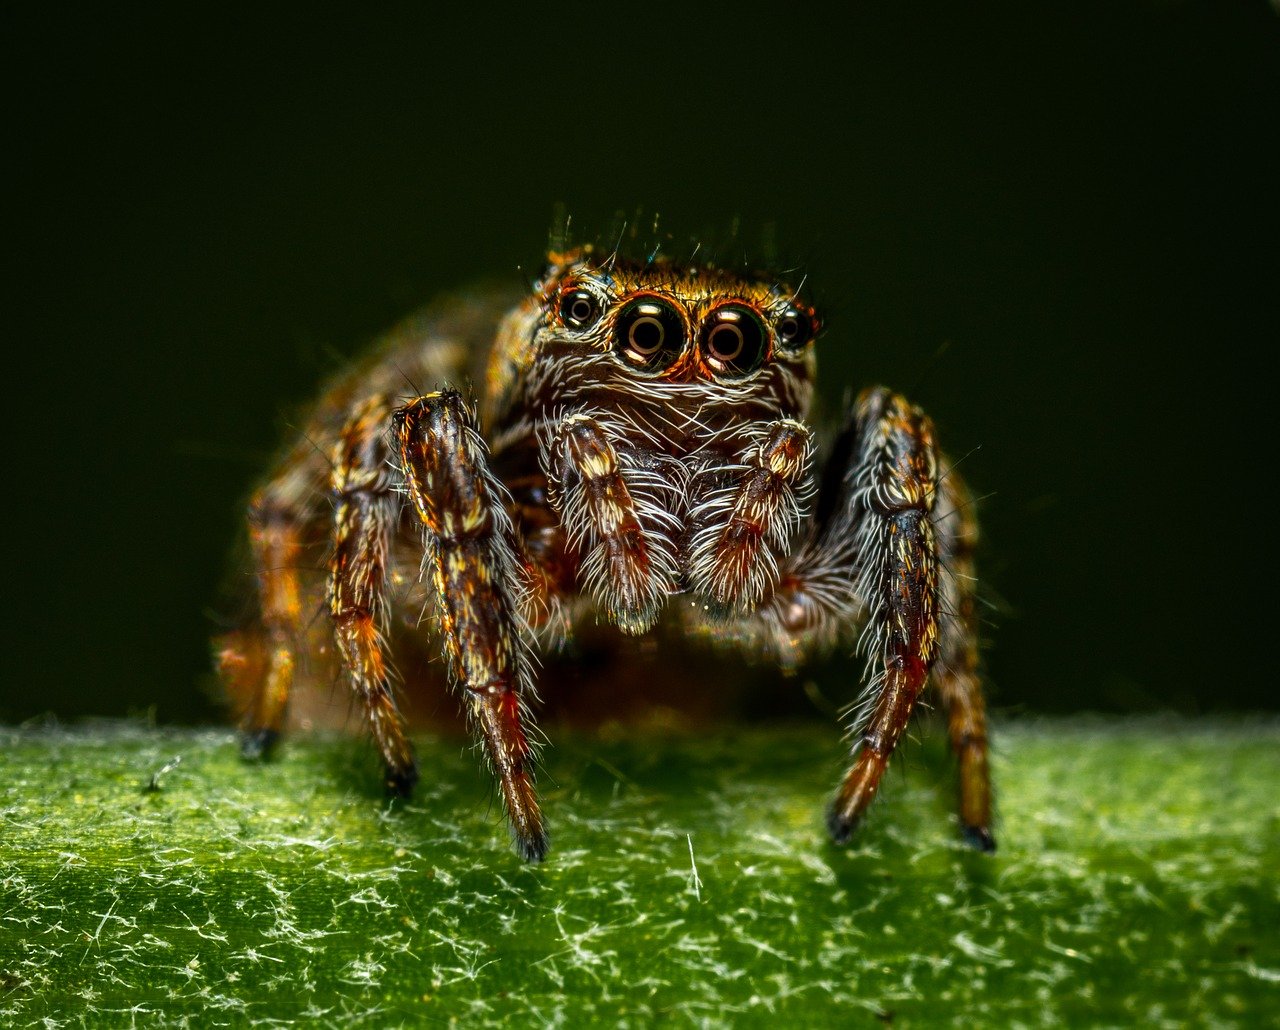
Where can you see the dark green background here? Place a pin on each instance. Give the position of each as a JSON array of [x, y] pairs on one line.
[[1080, 202]]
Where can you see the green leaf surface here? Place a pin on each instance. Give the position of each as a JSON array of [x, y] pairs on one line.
[[151, 877]]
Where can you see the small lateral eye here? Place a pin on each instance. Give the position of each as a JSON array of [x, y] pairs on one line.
[[734, 340], [795, 328], [649, 333], [579, 309]]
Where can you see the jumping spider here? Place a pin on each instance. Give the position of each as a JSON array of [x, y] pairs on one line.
[[640, 436]]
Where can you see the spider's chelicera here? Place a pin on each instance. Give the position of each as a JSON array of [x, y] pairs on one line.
[[638, 451]]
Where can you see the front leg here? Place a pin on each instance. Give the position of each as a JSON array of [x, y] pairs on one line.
[[878, 520], [470, 550], [890, 545]]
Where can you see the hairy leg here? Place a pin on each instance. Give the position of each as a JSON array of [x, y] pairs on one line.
[[743, 521], [625, 567], [892, 491], [470, 552], [365, 515], [260, 662], [956, 674], [871, 555]]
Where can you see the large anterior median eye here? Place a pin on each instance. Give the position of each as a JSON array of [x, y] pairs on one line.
[[649, 333], [734, 340]]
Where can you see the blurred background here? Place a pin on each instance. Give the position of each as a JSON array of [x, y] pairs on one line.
[[1055, 226]]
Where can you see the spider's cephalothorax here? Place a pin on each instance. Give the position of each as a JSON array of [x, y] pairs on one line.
[[639, 452]]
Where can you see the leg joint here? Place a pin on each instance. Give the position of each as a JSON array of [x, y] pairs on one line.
[[876, 743], [349, 614], [494, 688]]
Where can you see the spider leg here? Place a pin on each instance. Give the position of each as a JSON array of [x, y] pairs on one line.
[[470, 544], [259, 663], [956, 674], [365, 515], [890, 544], [741, 524], [625, 568], [892, 493], [872, 554]]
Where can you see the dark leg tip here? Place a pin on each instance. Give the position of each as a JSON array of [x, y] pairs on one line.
[[840, 826], [979, 838], [533, 847], [400, 782], [258, 744]]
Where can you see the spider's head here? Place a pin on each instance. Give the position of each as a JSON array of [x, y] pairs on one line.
[[664, 321], [680, 344]]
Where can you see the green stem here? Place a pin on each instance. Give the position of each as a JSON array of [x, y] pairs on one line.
[[151, 876]]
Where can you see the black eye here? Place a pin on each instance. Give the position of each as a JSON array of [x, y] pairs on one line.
[[650, 333], [795, 328], [579, 309], [733, 340]]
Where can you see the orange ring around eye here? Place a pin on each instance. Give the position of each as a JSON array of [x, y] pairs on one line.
[[650, 333], [734, 340]]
